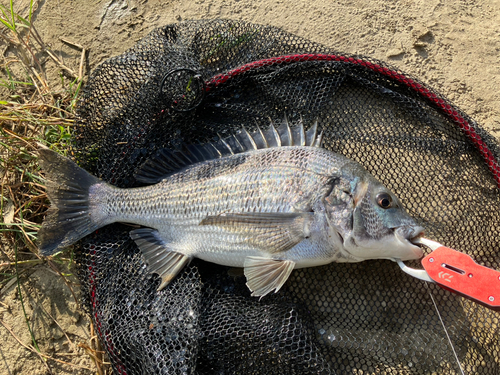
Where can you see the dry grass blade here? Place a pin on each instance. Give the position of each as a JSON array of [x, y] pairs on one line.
[[22, 262], [96, 357], [97, 352]]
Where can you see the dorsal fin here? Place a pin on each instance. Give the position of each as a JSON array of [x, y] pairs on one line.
[[247, 140], [274, 136], [264, 143], [312, 134], [167, 161]]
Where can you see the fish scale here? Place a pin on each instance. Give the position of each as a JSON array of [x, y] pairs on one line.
[[276, 188]]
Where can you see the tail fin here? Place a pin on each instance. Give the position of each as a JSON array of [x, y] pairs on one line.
[[68, 219]]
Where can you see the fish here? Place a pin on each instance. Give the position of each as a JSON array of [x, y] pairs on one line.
[[269, 201]]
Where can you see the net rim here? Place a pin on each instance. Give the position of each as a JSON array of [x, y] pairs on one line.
[[438, 102]]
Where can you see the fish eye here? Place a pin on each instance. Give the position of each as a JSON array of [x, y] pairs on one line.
[[384, 200]]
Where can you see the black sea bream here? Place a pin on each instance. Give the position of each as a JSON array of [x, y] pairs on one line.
[[268, 201]]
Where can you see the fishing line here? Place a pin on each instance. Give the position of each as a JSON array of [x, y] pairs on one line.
[[445, 330]]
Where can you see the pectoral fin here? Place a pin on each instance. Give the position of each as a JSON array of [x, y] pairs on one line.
[[271, 232], [159, 258], [265, 275]]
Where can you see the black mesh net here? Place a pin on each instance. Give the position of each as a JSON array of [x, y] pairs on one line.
[[190, 82]]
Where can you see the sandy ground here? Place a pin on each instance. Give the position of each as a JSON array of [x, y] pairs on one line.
[[454, 46]]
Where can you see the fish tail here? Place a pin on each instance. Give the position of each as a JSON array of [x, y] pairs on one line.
[[68, 218]]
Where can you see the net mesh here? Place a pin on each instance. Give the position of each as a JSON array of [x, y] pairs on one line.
[[194, 81]]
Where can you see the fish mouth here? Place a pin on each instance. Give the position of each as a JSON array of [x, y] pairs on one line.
[[409, 236], [401, 245]]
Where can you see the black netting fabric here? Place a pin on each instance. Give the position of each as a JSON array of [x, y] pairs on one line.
[[194, 81]]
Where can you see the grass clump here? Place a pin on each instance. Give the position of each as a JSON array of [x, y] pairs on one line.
[[31, 112]]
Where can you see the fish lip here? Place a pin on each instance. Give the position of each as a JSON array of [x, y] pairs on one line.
[[407, 235]]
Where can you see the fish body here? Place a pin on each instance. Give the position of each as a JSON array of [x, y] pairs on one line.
[[268, 201]]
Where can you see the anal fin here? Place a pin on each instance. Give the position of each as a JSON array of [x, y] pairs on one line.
[[265, 275], [159, 258]]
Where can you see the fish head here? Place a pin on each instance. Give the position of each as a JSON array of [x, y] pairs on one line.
[[370, 220]]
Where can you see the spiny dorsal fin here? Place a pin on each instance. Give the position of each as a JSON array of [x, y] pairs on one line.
[[226, 144], [247, 139], [302, 133], [265, 144], [312, 134], [275, 135], [167, 161]]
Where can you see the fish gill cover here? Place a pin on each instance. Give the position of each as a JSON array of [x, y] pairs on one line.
[[198, 80]]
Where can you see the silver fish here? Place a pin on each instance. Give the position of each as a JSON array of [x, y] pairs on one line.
[[268, 201]]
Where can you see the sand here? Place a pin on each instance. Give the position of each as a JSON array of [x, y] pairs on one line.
[[454, 46]]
